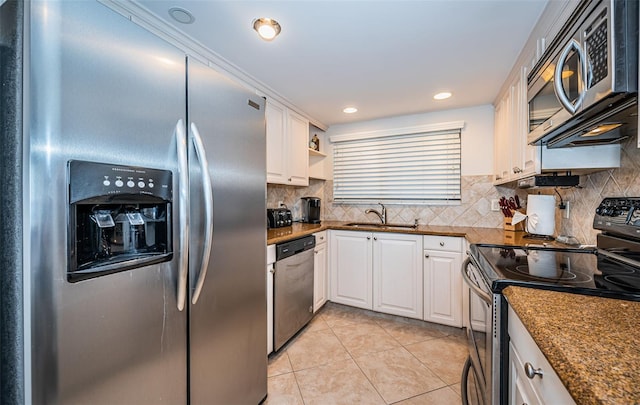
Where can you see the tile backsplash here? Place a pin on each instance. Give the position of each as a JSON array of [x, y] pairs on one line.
[[477, 193], [621, 182]]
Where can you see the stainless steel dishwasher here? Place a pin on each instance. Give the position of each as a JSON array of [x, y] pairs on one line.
[[292, 288]]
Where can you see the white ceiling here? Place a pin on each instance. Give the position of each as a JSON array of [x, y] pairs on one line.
[[386, 57]]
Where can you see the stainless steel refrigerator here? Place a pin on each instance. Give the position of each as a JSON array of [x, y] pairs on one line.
[[182, 321]]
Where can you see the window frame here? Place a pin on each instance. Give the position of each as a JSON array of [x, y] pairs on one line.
[[400, 178]]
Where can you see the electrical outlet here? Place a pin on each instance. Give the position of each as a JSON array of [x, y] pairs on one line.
[[565, 213], [280, 204], [495, 205]]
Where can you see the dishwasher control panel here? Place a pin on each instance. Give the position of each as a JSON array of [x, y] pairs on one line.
[[290, 248]]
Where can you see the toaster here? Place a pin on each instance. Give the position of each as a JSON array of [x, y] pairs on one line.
[[279, 217]]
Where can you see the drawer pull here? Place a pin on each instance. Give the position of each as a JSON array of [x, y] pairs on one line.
[[441, 243], [531, 372]]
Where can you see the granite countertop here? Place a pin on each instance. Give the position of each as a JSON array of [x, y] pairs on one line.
[[473, 235], [593, 343]]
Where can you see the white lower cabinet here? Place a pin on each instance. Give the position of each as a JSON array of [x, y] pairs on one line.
[[351, 278], [377, 271], [478, 313], [443, 280], [271, 259], [397, 274], [320, 271], [532, 380]]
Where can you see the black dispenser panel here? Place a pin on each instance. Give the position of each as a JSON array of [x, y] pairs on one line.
[[119, 218]]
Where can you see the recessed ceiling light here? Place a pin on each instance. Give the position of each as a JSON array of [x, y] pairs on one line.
[[349, 110], [181, 15], [267, 28], [442, 96]]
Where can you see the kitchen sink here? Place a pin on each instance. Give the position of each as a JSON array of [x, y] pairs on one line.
[[380, 226]]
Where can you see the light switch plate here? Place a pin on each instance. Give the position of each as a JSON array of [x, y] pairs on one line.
[[495, 205]]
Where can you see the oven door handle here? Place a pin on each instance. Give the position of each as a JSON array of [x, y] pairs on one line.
[[464, 384], [618, 258], [472, 285]]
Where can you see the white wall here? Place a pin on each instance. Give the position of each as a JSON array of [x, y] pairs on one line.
[[477, 135]]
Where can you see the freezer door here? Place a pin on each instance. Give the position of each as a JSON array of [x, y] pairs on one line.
[[104, 90], [227, 326]]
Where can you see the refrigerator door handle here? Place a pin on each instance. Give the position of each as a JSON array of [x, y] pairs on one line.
[[208, 207], [183, 196]]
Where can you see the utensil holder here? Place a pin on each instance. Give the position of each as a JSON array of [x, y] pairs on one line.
[[519, 227]]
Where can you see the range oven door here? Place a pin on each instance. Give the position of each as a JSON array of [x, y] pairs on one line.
[[478, 374]]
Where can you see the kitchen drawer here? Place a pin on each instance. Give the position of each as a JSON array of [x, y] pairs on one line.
[[548, 387], [448, 243], [321, 237]]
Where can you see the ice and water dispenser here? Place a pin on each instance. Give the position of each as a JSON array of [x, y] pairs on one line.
[[119, 218]]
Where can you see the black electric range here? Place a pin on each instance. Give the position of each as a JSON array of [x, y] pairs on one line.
[[612, 269], [583, 271]]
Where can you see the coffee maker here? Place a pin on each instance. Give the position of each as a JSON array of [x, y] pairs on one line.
[[311, 210]]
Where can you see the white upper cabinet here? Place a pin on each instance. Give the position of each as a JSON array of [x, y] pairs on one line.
[[514, 158], [287, 146], [276, 141], [298, 155]]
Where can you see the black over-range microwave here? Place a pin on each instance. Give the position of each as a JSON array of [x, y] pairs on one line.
[[583, 91]]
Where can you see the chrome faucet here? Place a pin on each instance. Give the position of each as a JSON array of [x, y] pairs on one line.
[[382, 214]]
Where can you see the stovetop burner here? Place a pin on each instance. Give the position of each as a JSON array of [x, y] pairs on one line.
[[577, 270], [627, 282], [555, 275]]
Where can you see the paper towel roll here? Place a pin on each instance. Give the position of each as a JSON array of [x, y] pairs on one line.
[[542, 208]]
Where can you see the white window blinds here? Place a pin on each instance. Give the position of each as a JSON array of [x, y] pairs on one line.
[[412, 168]]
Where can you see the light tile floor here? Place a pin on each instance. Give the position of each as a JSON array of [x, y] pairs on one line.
[[351, 356]]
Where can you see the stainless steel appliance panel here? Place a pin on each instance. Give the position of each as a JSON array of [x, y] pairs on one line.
[[293, 296], [588, 76], [483, 374], [100, 89], [227, 325], [11, 229]]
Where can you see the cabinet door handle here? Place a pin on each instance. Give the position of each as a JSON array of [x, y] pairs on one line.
[[368, 237], [441, 243], [374, 238], [426, 256], [531, 371]]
